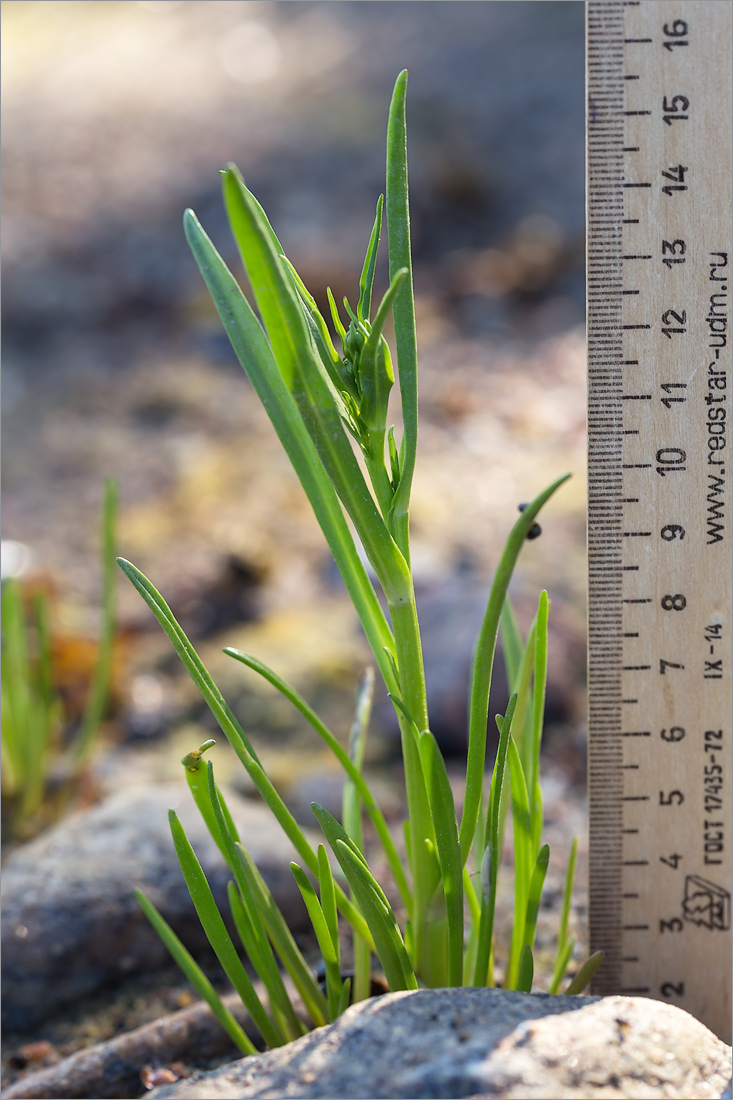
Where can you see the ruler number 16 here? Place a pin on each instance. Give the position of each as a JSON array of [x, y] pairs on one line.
[[676, 34]]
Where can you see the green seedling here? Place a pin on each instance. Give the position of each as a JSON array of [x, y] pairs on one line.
[[433, 922], [36, 735]]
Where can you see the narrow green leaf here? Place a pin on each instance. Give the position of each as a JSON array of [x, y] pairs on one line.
[[538, 702], [561, 965], [525, 973], [315, 912], [251, 925], [327, 353], [197, 779], [443, 810], [196, 976], [376, 377], [216, 932], [335, 316], [567, 896], [420, 835], [382, 922], [366, 282], [370, 803], [345, 999], [328, 897], [351, 801], [482, 666], [523, 734], [323, 936], [373, 903], [400, 256], [522, 833], [511, 641], [284, 942], [585, 975], [565, 943], [535, 894], [284, 1017], [492, 849]]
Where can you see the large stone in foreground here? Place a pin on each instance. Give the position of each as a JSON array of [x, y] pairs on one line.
[[483, 1043], [71, 922]]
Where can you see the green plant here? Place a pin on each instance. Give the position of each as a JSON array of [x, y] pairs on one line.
[[315, 397], [36, 730]]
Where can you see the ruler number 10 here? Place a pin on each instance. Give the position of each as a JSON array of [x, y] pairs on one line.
[[670, 459]]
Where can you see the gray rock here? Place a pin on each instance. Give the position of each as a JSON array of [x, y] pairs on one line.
[[483, 1043], [71, 922]]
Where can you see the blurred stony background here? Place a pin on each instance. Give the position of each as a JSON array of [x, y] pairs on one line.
[[118, 115]]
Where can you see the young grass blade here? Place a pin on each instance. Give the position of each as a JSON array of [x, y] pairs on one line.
[[197, 779], [375, 368], [283, 1014], [565, 944], [420, 837], [535, 894], [482, 666], [196, 976], [328, 897], [329, 356], [16, 681], [366, 282], [585, 975], [284, 943], [538, 708], [325, 942], [443, 810], [400, 256], [231, 728], [561, 964], [216, 931], [351, 817], [351, 801], [522, 833], [567, 897], [525, 973], [370, 803], [523, 717], [242, 903], [99, 687], [373, 903], [492, 853], [255, 355], [511, 641]]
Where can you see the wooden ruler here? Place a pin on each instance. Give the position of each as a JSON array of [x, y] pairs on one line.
[[660, 500]]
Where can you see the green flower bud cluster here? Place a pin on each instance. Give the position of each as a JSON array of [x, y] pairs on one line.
[[362, 376]]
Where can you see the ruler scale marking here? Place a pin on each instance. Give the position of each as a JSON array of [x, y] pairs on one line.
[[659, 258]]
